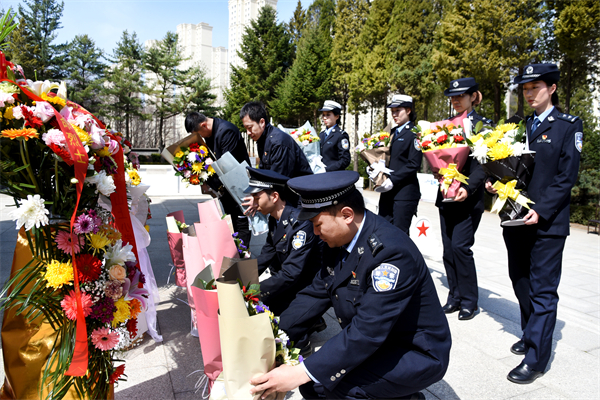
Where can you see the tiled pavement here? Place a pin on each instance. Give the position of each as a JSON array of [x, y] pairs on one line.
[[480, 357]]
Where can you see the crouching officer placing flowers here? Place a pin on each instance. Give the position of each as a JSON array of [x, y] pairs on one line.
[[292, 250], [395, 339]]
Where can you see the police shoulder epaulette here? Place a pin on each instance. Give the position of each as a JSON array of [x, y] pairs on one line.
[[567, 117], [375, 244], [487, 120]]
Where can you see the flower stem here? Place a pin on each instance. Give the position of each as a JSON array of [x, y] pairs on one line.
[[25, 157]]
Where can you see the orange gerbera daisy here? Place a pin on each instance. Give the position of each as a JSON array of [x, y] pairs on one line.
[[27, 133]]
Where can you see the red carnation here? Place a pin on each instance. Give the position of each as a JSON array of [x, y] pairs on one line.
[[131, 326], [117, 374], [442, 139], [31, 120], [194, 147], [426, 143], [128, 143], [62, 153], [88, 267], [459, 138]]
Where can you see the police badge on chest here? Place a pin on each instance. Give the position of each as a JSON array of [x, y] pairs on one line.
[[544, 139]]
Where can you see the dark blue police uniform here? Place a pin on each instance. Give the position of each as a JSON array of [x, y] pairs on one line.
[[292, 255], [475, 118], [395, 340], [400, 203], [535, 251], [225, 138], [335, 149], [280, 153]]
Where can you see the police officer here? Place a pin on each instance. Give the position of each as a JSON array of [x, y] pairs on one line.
[[221, 137], [335, 143], [398, 203], [459, 219], [394, 339], [535, 250], [292, 250], [464, 95], [277, 150]]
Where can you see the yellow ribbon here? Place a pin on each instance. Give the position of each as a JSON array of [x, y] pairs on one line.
[[449, 174], [508, 191]]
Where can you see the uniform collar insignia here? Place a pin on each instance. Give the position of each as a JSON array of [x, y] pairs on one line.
[[551, 118], [284, 222], [375, 244], [361, 250]]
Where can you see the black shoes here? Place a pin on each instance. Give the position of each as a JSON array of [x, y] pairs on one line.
[[319, 326], [523, 374], [519, 348], [450, 308], [466, 313]]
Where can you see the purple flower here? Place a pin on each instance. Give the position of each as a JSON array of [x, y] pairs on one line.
[[260, 309], [83, 224], [300, 358], [235, 234], [103, 310]]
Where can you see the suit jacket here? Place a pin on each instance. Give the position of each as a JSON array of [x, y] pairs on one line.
[[405, 161], [335, 149], [393, 325], [280, 153], [556, 165], [292, 254]]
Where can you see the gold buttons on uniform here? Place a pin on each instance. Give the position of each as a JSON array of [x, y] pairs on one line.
[[338, 375], [343, 371], [332, 378], [337, 297], [340, 320]]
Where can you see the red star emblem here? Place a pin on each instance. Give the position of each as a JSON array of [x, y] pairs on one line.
[[422, 229]]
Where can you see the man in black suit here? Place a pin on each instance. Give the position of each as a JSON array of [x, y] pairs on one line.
[[221, 137]]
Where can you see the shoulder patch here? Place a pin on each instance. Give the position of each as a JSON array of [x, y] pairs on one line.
[[345, 144], [579, 141], [299, 240], [567, 117], [417, 146], [385, 277], [375, 244]]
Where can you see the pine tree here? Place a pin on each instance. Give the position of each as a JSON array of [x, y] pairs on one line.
[[308, 83], [267, 53], [24, 51], [297, 24], [200, 98], [350, 19], [124, 83], [321, 13], [410, 41], [577, 29], [42, 18], [85, 72]]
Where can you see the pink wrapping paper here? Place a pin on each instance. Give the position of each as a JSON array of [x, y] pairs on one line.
[[176, 251], [207, 306], [441, 158], [194, 263], [208, 211], [215, 243]]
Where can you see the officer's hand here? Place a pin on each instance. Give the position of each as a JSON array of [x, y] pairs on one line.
[[489, 187], [531, 218], [461, 195], [386, 186], [281, 379], [251, 204]]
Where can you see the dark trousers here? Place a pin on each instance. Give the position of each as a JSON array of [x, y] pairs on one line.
[[238, 219], [458, 236], [398, 212], [534, 267]]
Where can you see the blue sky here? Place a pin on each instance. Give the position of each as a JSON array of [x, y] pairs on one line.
[[104, 21]]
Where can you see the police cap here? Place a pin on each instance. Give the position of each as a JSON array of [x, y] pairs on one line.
[[539, 72], [401, 100], [331, 105], [320, 191], [261, 179], [460, 86]]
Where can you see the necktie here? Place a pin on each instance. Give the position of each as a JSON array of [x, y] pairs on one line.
[[536, 123]]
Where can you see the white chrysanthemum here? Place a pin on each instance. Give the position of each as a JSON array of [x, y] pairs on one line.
[[457, 131], [439, 134], [480, 152], [119, 254], [517, 149], [424, 125], [30, 213], [360, 147], [429, 137], [305, 142], [204, 175], [192, 157], [104, 183]]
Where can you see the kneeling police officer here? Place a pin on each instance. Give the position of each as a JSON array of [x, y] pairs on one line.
[[395, 339]]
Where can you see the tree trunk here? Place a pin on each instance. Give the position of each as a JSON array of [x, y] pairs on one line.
[[355, 142], [520, 98], [161, 144], [371, 122], [497, 96]]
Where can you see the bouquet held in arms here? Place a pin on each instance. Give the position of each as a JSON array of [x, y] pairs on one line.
[[191, 159], [502, 153], [75, 283], [445, 148], [309, 142], [375, 150]]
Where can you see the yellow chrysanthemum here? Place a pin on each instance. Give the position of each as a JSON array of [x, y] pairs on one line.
[[54, 100], [111, 233], [204, 149], [98, 241], [136, 307], [499, 151], [493, 138], [26, 134], [122, 313], [134, 177], [506, 127], [103, 152], [475, 138], [58, 274], [197, 167], [211, 169], [8, 113], [179, 154], [83, 135]]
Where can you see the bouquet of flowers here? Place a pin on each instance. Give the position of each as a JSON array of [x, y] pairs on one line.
[[309, 142], [75, 270], [502, 153], [193, 164], [445, 147], [375, 150]]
